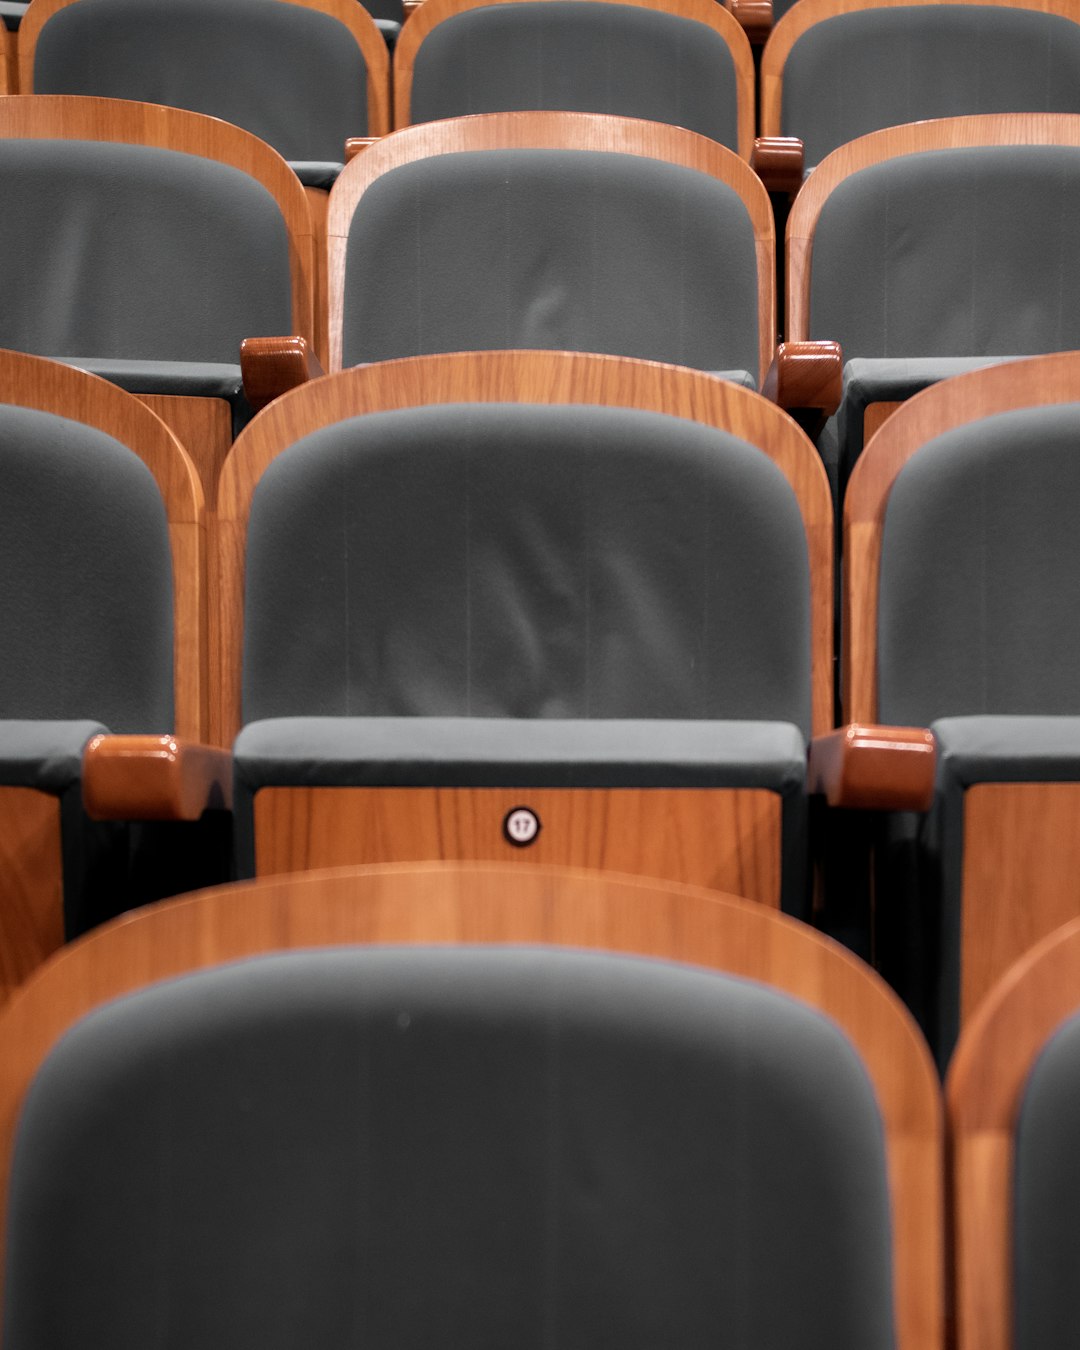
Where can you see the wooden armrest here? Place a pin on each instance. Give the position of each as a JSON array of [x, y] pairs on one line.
[[779, 162], [806, 375], [874, 768], [355, 144], [271, 366], [410, 6], [755, 17], [154, 778]]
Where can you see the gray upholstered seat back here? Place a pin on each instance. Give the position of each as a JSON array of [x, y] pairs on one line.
[[292, 76], [1046, 1249], [132, 252], [515, 561], [85, 578], [578, 57], [882, 67], [966, 252], [403, 1147], [980, 572], [568, 250]]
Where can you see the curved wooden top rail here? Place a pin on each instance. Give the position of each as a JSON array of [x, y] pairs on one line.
[[554, 131], [964, 398], [706, 12], [486, 904], [353, 16], [984, 1088], [807, 13], [946, 133], [48, 386], [516, 377], [66, 116]]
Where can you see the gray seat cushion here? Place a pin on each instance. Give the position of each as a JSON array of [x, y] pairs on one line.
[[46, 756]]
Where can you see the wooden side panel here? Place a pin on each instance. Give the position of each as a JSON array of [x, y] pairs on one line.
[[725, 839], [875, 415], [318, 201], [31, 884], [1021, 870], [203, 426]]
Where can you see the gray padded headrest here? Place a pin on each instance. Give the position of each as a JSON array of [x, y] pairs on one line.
[[881, 67], [980, 574], [403, 1147], [86, 608], [965, 252], [520, 561], [558, 249], [578, 57], [110, 250], [292, 76]]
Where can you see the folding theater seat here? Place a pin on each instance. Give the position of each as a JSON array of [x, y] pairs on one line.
[[145, 243], [930, 249], [474, 1127], [688, 64], [448, 592], [834, 70], [102, 618]]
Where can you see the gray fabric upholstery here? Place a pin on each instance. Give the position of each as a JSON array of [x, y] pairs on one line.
[[486, 1148], [11, 12], [571, 250], [881, 67], [578, 57], [317, 173], [1046, 1191], [188, 379], [124, 251], [85, 578], [44, 755], [292, 76]]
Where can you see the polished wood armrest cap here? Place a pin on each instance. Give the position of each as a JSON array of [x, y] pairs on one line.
[[355, 144], [755, 17], [154, 778], [874, 767], [779, 162], [806, 375], [410, 6], [271, 366]]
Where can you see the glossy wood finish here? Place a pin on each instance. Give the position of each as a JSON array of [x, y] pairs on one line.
[[798, 19], [755, 18], [874, 768], [778, 162], [705, 12], [271, 366], [31, 884], [806, 375], [33, 382], [984, 1090], [511, 377], [439, 904], [154, 778], [914, 138], [723, 839], [875, 416], [554, 131], [203, 426], [347, 13]]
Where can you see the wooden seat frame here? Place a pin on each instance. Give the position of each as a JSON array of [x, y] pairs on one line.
[[1021, 847], [727, 838], [447, 904], [706, 12], [554, 131]]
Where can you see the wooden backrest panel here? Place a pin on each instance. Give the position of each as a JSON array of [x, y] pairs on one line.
[[47, 386], [515, 377]]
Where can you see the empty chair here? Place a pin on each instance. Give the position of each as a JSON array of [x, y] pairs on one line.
[[687, 64], [449, 592], [930, 249], [145, 243], [961, 574], [472, 1129], [564, 231], [102, 619], [834, 70]]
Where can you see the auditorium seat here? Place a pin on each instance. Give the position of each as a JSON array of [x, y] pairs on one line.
[[834, 70], [448, 592], [686, 63], [482, 1106], [145, 243], [930, 249], [102, 619], [962, 609]]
